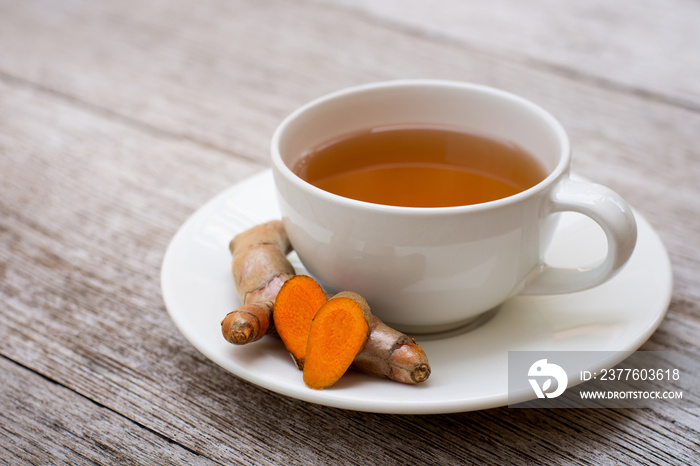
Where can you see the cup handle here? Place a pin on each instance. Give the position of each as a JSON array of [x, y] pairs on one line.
[[616, 219]]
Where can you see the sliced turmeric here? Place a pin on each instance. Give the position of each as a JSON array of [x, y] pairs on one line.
[[387, 352], [295, 307], [260, 268], [338, 332]]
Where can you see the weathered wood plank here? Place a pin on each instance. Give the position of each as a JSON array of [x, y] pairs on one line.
[[646, 47], [43, 422]]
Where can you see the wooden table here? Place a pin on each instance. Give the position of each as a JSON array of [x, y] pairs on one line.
[[119, 119]]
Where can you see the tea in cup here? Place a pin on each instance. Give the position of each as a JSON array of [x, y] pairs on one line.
[[416, 165]]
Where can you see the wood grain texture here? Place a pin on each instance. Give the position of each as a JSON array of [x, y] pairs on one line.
[[616, 45], [119, 119], [44, 422]]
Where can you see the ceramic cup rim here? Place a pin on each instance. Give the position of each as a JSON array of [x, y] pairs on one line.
[[553, 124]]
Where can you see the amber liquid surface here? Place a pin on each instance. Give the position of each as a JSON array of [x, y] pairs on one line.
[[420, 166]]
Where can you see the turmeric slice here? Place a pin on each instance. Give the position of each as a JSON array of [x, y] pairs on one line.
[[260, 268], [338, 332], [295, 307]]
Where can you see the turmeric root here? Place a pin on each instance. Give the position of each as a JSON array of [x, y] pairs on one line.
[[338, 332], [260, 268], [391, 354], [295, 307]]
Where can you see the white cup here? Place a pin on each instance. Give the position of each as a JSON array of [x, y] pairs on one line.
[[426, 270]]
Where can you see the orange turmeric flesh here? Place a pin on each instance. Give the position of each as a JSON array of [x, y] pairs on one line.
[[295, 307], [337, 334]]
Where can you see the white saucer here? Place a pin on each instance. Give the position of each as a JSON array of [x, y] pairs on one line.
[[469, 370]]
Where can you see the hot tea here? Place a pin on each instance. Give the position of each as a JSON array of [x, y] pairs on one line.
[[420, 166]]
